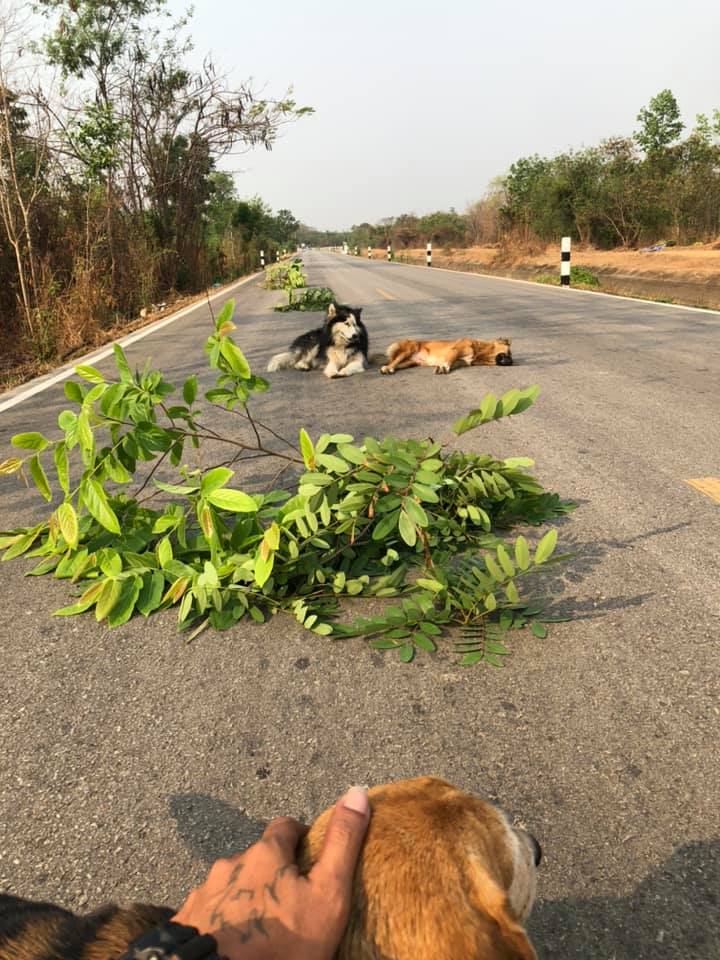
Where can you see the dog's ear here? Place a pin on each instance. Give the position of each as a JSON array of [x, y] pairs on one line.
[[357, 311], [502, 930], [506, 340], [331, 311]]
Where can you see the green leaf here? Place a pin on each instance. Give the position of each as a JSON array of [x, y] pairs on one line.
[[233, 500], [189, 390], [257, 614], [522, 553], [96, 501], [493, 569], [74, 392], [307, 449], [225, 316], [545, 548], [109, 595], [332, 463], [68, 522], [470, 659], [323, 629], [385, 526], [415, 512], [490, 602], [214, 479], [407, 529], [425, 493], [424, 642], [151, 593], [90, 374], [164, 552], [263, 566], [235, 359], [505, 561], [431, 628], [21, 544], [29, 441], [121, 363], [85, 437], [126, 601], [62, 468], [40, 478], [353, 454], [382, 644], [429, 584], [406, 652], [539, 630]]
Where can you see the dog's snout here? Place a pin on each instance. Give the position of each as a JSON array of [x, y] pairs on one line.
[[537, 850], [504, 359]]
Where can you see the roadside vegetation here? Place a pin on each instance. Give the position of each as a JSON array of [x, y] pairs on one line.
[[110, 197], [649, 187], [420, 526]]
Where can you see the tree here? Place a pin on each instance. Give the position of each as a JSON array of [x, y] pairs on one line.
[[661, 123]]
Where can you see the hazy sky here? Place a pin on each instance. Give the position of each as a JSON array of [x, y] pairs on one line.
[[419, 104]]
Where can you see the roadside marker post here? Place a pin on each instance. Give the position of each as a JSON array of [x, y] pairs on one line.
[[429, 254], [389, 252], [262, 259], [369, 253], [357, 250], [565, 262]]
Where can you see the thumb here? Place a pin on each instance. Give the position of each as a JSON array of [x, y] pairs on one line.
[[343, 840]]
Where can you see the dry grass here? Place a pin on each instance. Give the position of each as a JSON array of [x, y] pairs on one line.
[[685, 263], [18, 369]]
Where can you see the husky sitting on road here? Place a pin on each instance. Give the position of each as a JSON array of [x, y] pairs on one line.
[[340, 346]]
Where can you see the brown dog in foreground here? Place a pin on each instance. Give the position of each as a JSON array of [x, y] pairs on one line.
[[442, 876], [446, 354]]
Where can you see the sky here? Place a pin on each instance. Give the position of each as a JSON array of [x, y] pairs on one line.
[[420, 104]]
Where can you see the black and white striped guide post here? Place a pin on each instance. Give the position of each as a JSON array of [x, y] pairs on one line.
[[565, 262], [369, 253], [389, 252], [262, 259], [429, 254]]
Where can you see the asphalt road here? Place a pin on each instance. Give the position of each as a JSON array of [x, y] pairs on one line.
[[129, 760]]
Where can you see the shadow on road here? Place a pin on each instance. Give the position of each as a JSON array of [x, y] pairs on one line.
[[672, 914], [585, 557], [212, 828]]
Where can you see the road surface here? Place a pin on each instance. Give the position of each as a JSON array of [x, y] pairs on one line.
[[129, 760]]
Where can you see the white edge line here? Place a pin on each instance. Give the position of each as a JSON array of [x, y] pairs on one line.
[[545, 287], [42, 383]]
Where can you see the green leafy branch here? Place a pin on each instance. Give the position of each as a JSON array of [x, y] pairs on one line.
[[396, 517]]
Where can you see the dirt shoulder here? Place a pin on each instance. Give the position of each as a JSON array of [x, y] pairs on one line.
[[683, 275]]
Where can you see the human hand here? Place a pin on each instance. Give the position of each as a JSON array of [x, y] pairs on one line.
[[258, 907]]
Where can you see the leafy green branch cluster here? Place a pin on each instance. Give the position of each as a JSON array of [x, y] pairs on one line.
[[387, 518]]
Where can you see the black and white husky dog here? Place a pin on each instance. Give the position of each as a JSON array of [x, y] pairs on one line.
[[340, 345]]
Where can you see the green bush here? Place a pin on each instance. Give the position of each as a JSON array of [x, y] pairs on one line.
[[579, 276], [385, 518], [309, 300]]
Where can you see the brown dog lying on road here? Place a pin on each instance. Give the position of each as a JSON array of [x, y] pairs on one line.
[[442, 876], [446, 354]]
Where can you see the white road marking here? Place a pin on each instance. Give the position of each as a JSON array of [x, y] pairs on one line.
[[42, 383]]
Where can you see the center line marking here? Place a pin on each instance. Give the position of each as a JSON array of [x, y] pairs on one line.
[[384, 293], [710, 486]]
